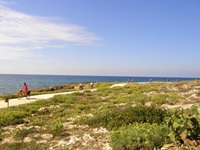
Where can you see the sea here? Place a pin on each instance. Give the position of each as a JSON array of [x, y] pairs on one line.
[[11, 83]]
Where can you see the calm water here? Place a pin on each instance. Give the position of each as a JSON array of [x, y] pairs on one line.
[[12, 83]]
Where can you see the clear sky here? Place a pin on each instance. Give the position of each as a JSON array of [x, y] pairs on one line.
[[100, 37]]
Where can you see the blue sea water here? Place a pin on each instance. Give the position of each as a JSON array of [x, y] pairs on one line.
[[11, 83]]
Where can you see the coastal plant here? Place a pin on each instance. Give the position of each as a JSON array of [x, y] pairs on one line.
[[142, 88], [103, 85], [116, 118], [38, 121], [184, 127], [9, 96], [138, 97], [120, 99], [33, 145], [22, 133], [67, 99], [57, 129], [11, 117], [57, 126], [138, 136], [160, 98]]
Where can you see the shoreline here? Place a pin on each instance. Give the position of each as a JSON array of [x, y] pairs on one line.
[[73, 85], [10, 84], [187, 88]]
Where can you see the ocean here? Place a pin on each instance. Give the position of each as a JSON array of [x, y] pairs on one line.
[[11, 83]]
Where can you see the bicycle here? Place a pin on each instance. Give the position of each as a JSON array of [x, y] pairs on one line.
[[24, 94]]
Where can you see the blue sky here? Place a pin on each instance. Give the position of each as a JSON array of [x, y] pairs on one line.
[[100, 37]]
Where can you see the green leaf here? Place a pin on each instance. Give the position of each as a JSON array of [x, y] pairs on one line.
[[172, 137], [198, 119], [176, 125], [190, 125], [193, 109]]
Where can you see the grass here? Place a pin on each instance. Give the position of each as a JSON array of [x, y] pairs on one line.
[[65, 116]]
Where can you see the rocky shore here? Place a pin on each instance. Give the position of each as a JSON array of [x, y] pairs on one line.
[[68, 86]]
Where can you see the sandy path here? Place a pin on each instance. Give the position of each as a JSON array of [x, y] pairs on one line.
[[16, 101]]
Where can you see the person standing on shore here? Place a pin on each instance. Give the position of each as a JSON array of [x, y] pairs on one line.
[[91, 85], [80, 87]]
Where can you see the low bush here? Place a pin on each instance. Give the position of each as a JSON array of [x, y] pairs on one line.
[[11, 117], [57, 129], [138, 136], [184, 127], [24, 146], [160, 99], [117, 118]]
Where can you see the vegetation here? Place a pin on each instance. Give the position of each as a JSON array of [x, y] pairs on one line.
[[130, 117], [184, 127], [139, 136], [121, 117]]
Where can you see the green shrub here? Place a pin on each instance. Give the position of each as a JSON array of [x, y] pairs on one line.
[[9, 96], [138, 136], [57, 129], [38, 122], [11, 117], [138, 97], [57, 126], [184, 127], [68, 98], [124, 116], [121, 99], [160, 99], [34, 145]]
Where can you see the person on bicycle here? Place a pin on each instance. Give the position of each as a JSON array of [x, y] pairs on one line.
[[25, 89]]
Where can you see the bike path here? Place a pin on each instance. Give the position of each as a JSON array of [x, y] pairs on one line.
[[24, 100]]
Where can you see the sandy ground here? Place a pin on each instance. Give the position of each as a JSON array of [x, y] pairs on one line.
[[120, 84]]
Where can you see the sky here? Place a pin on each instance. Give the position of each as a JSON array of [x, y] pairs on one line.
[[158, 38]]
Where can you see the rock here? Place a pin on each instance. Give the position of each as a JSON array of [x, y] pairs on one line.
[[62, 143], [27, 140], [47, 136], [167, 146], [42, 142], [58, 87], [8, 140]]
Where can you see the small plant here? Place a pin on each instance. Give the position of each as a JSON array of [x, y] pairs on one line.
[[57, 126], [184, 127], [57, 129]]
